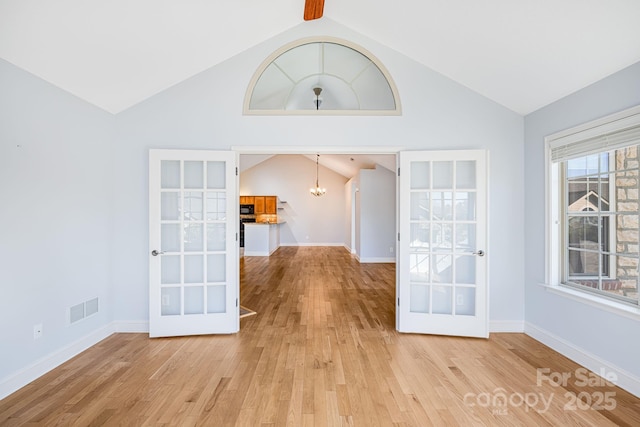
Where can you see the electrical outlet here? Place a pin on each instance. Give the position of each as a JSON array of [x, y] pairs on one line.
[[391, 249], [37, 331]]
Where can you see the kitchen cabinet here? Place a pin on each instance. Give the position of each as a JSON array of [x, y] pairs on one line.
[[266, 205], [271, 205], [247, 200], [259, 205]]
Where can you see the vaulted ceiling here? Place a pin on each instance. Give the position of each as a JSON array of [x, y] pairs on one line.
[[523, 54]]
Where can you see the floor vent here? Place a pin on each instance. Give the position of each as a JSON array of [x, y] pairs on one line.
[[83, 310]]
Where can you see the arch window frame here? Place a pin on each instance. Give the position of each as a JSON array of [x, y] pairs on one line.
[[271, 59]]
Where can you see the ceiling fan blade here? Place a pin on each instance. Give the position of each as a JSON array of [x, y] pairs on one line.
[[313, 9]]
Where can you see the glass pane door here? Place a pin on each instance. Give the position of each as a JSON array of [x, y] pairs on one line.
[[442, 283], [193, 260]]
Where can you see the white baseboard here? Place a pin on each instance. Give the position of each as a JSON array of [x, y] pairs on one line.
[[364, 260], [40, 367], [626, 380], [131, 326], [24, 376], [497, 326], [311, 244]]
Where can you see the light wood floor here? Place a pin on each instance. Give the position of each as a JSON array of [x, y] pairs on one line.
[[322, 350]]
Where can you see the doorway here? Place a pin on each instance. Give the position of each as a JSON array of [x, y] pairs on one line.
[[441, 211]]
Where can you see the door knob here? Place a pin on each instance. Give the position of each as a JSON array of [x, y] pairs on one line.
[[479, 252], [156, 253]]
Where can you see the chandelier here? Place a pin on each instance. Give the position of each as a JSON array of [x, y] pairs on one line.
[[318, 191]]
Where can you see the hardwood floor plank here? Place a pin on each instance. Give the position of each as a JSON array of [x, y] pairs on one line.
[[322, 350]]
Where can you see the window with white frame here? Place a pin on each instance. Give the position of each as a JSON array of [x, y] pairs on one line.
[[594, 177]]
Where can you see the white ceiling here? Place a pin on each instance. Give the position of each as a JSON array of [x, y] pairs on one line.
[[522, 54]]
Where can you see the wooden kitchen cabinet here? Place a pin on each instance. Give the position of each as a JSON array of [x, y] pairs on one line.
[[259, 205], [247, 200], [271, 204]]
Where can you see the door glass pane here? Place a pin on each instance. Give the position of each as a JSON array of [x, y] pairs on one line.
[[193, 269], [216, 299], [466, 174], [442, 203], [193, 205], [216, 175], [442, 300], [170, 301], [194, 300], [216, 206], [466, 301], [419, 267], [193, 238], [216, 268], [170, 206], [420, 175], [419, 236], [193, 174], [170, 174], [419, 299], [442, 269], [420, 205], [465, 237], [442, 237], [170, 237], [443, 174], [466, 269], [170, 269], [216, 237], [465, 206]]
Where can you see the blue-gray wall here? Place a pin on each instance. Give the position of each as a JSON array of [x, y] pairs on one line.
[[590, 332], [56, 210]]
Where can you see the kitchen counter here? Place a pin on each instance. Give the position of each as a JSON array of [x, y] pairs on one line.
[[261, 238]]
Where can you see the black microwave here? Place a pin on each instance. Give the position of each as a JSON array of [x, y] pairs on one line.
[[246, 210]]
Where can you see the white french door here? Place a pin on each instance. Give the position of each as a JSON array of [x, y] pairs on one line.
[[442, 266], [193, 279]]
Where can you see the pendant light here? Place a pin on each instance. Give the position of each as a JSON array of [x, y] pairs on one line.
[[318, 191], [317, 91]]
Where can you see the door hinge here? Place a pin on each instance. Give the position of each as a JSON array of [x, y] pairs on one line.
[[398, 237], [236, 302], [398, 171], [236, 237], [236, 171], [398, 302]]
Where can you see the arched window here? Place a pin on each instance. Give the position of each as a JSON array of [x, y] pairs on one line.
[[322, 76]]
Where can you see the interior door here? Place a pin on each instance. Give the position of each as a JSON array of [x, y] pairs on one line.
[[193, 255], [442, 265]]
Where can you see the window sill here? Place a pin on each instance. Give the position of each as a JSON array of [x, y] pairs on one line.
[[596, 301]]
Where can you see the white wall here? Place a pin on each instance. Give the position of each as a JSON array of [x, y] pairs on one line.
[[377, 215], [603, 338], [310, 220], [55, 218], [349, 215]]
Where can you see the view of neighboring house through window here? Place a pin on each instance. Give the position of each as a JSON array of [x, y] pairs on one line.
[[601, 221], [595, 189]]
